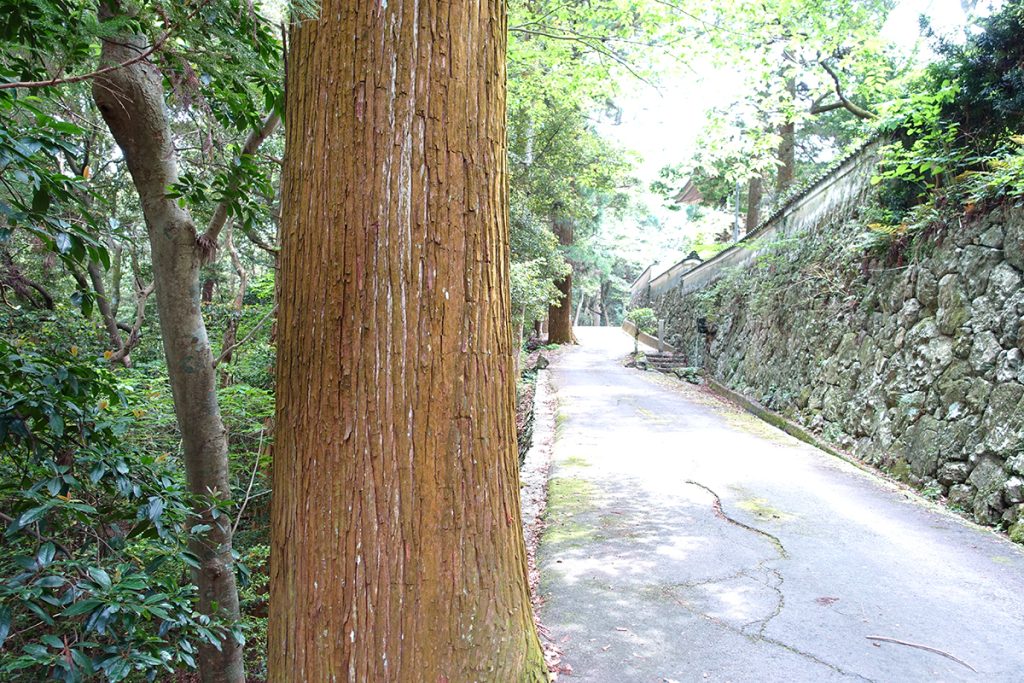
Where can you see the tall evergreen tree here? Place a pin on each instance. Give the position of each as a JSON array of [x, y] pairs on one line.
[[396, 538]]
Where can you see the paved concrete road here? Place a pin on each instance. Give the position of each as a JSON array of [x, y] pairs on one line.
[[688, 541]]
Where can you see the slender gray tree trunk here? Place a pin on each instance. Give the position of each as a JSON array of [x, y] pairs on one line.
[[131, 100], [108, 315], [605, 292]]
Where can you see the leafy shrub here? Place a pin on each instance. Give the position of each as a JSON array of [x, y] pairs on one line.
[[959, 136], [645, 319], [254, 595], [990, 70], [925, 149], [93, 568], [891, 242], [1002, 177]]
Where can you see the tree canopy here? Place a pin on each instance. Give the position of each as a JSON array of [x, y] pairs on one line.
[[106, 523]]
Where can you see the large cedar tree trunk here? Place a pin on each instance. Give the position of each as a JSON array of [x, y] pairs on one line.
[[397, 551], [560, 313], [787, 150], [131, 100], [787, 159], [755, 192]]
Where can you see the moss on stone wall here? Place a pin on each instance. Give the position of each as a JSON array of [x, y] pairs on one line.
[[918, 369]]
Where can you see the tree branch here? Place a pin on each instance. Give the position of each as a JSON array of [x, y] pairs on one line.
[[157, 44], [227, 352], [854, 109], [16, 280], [142, 294], [589, 43], [208, 240], [261, 243], [103, 303], [39, 537], [817, 108]]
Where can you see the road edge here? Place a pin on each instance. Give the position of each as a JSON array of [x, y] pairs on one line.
[[533, 501], [799, 433]]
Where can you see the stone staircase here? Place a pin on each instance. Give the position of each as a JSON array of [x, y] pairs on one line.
[[665, 362], [671, 364]]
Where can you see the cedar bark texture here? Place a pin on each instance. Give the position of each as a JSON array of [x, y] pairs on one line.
[[397, 550], [560, 314], [787, 149], [755, 193], [131, 100], [786, 158]]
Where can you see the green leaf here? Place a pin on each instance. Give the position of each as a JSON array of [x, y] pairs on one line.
[[83, 607], [32, 515], [101, 577], [66, 128], [50, 582], [45, 554], [39, 612], [118, 669], [5, 623], [56, 424], [53, 641], [63, 243], [37, 650], [41, 200], [160, 612], [155, 508]]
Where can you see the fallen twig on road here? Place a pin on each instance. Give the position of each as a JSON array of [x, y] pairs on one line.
[[923, 647]]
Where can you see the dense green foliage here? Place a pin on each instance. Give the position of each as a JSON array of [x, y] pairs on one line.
[[989, 67], [819, 66], [957, 140], [93, 565], [645, 319], [94, 568], [565, 60]]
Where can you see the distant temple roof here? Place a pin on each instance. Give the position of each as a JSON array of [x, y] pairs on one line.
[[688, 195]]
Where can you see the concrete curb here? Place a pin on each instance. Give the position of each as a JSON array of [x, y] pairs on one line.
[[533, 475], [776, 420], [801, 434], [533, 502]]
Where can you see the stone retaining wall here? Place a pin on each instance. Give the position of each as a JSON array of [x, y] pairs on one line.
[[916, 367]]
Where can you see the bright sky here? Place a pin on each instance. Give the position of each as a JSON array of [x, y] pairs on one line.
[[663, 126]]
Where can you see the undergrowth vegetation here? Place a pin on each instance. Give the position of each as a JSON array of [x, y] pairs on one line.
[[957, 141], [93, 577]]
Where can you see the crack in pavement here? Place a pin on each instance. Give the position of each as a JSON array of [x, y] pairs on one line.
[[697, 583], [777, 588], [797, 651], [780, 602], [776, 543], [760, 637], [717, 506]]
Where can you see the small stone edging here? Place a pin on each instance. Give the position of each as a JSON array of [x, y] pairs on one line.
[[533, 475], [533, 500], [776, 420]]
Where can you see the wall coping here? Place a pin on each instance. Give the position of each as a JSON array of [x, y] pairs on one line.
[[810, 190]]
